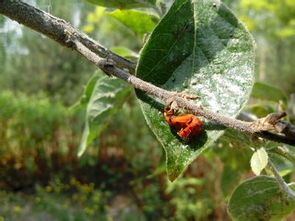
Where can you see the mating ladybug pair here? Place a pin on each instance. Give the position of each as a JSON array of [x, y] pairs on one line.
[[187, 125]]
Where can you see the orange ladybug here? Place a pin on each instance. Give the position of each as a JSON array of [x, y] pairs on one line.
[[187, 125]]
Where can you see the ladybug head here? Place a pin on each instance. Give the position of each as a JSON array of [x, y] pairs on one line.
[[169, 111]]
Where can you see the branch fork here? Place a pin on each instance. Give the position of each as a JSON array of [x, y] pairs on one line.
[[171, 101], [273, 122]]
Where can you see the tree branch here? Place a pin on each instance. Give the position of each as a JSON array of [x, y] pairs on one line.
[[112, 64], [54, 28]]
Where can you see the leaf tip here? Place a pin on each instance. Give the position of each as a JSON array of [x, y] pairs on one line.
[[81, 150], [173, 174]]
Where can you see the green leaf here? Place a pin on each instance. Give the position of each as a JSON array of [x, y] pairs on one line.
[[83, 101], [261, 109], [89, 89], [124, 4], [233, 149], [283, 158], [240, 140], [125, 52], [201, 47], [139, 22], [230, 178], [106, 99], [267, 92], [259, 199], [259, 160]]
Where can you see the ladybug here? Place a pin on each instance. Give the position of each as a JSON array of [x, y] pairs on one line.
[[187, 125]]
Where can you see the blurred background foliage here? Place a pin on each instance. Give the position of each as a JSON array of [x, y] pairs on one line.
[[121, 176]]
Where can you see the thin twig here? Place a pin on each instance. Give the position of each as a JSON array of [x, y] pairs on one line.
[[112, 64], [54, 28], [283, 185]]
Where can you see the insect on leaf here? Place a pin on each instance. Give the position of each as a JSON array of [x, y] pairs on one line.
[[200, 47]]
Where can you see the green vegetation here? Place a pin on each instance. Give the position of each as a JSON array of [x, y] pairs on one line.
[[47, 117], [196, 58]]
